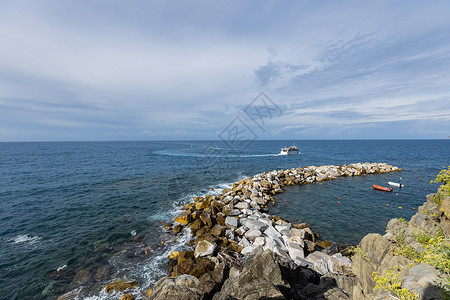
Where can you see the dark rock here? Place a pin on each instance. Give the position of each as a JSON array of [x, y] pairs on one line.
[[218, 230], [177, 229], [265, 274], [324, 244], [195, 267], [102, 273]]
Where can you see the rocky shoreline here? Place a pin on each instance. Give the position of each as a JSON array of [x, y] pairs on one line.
[[242, 252]]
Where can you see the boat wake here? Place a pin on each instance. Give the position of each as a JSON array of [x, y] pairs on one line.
[[231, 154]]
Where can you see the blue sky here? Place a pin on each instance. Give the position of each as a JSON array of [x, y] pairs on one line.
[[167, 70]]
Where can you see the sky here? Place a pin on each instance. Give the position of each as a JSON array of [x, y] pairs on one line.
[[188, 70]]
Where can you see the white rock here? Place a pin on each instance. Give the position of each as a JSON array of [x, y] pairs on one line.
[[272, 232], [229, 234], [204, 248], [244, 242], [259, 214], [275, 242], [283, 229], [266, 221], [247, 212], [320, 261], [232, 222], [241, 205], [295, 251], [255, 205], [235, 212], [339, 264], [252, 234], [241, 230], [254, 224], [259, 241], [247, 250], [294, 239], [280, 252]]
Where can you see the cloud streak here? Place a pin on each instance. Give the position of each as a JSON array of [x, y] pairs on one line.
[[161, 70]]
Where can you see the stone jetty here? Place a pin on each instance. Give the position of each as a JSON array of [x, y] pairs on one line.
[[242, 252], [239, 251]]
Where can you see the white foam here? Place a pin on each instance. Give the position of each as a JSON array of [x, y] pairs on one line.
[[61, 268], [25, 239]]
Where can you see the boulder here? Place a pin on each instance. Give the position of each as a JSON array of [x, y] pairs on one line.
[[339, 264], [264, 276], [177, 229], [183, 287], [252, 234], [218, 230], [241, 205], [204, 248], [232, 222], [196, 268], [183, 219], [127, 297], [295, 250], [272, 232], [254, 224], [120, 285]]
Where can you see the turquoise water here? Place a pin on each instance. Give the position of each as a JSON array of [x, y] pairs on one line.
[[93, 208]]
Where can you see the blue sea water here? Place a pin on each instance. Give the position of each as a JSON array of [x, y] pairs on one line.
[[93, 209]]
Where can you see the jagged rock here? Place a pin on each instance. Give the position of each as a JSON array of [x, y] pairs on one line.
[[339, 264], [252, 234], [204, 248], [319, 261], [244, 242], [229, 234], [120, 285], [183, 287], [241, 230], [265, 276], [324, 244], [196, 267], [184, 218], [218, 230], [241, 205], [283, 229], [295, 250], [127, 297], [272, 232], [177, 229], [422, 280], [310, 246], [231, 222], [254, 224], [256, 289]]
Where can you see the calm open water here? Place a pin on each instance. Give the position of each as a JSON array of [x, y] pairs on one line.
[[92, 209]]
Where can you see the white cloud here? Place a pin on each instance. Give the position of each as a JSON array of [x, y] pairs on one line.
[[189, 68]]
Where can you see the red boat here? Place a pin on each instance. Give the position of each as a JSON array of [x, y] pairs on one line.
[[382, 188]]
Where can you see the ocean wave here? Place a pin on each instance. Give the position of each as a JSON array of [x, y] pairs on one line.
[[25, 239]]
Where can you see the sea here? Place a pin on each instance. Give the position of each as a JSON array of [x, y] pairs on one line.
[[77, 215]]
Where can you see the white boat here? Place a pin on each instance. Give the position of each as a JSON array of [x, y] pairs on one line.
[[289, 150], [396, 184]]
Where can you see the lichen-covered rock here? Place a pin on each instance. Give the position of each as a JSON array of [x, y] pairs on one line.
[[121, 285], [127, 297], [204, 248]]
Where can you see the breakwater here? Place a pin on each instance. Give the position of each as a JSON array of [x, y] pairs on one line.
[[233, 225]]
